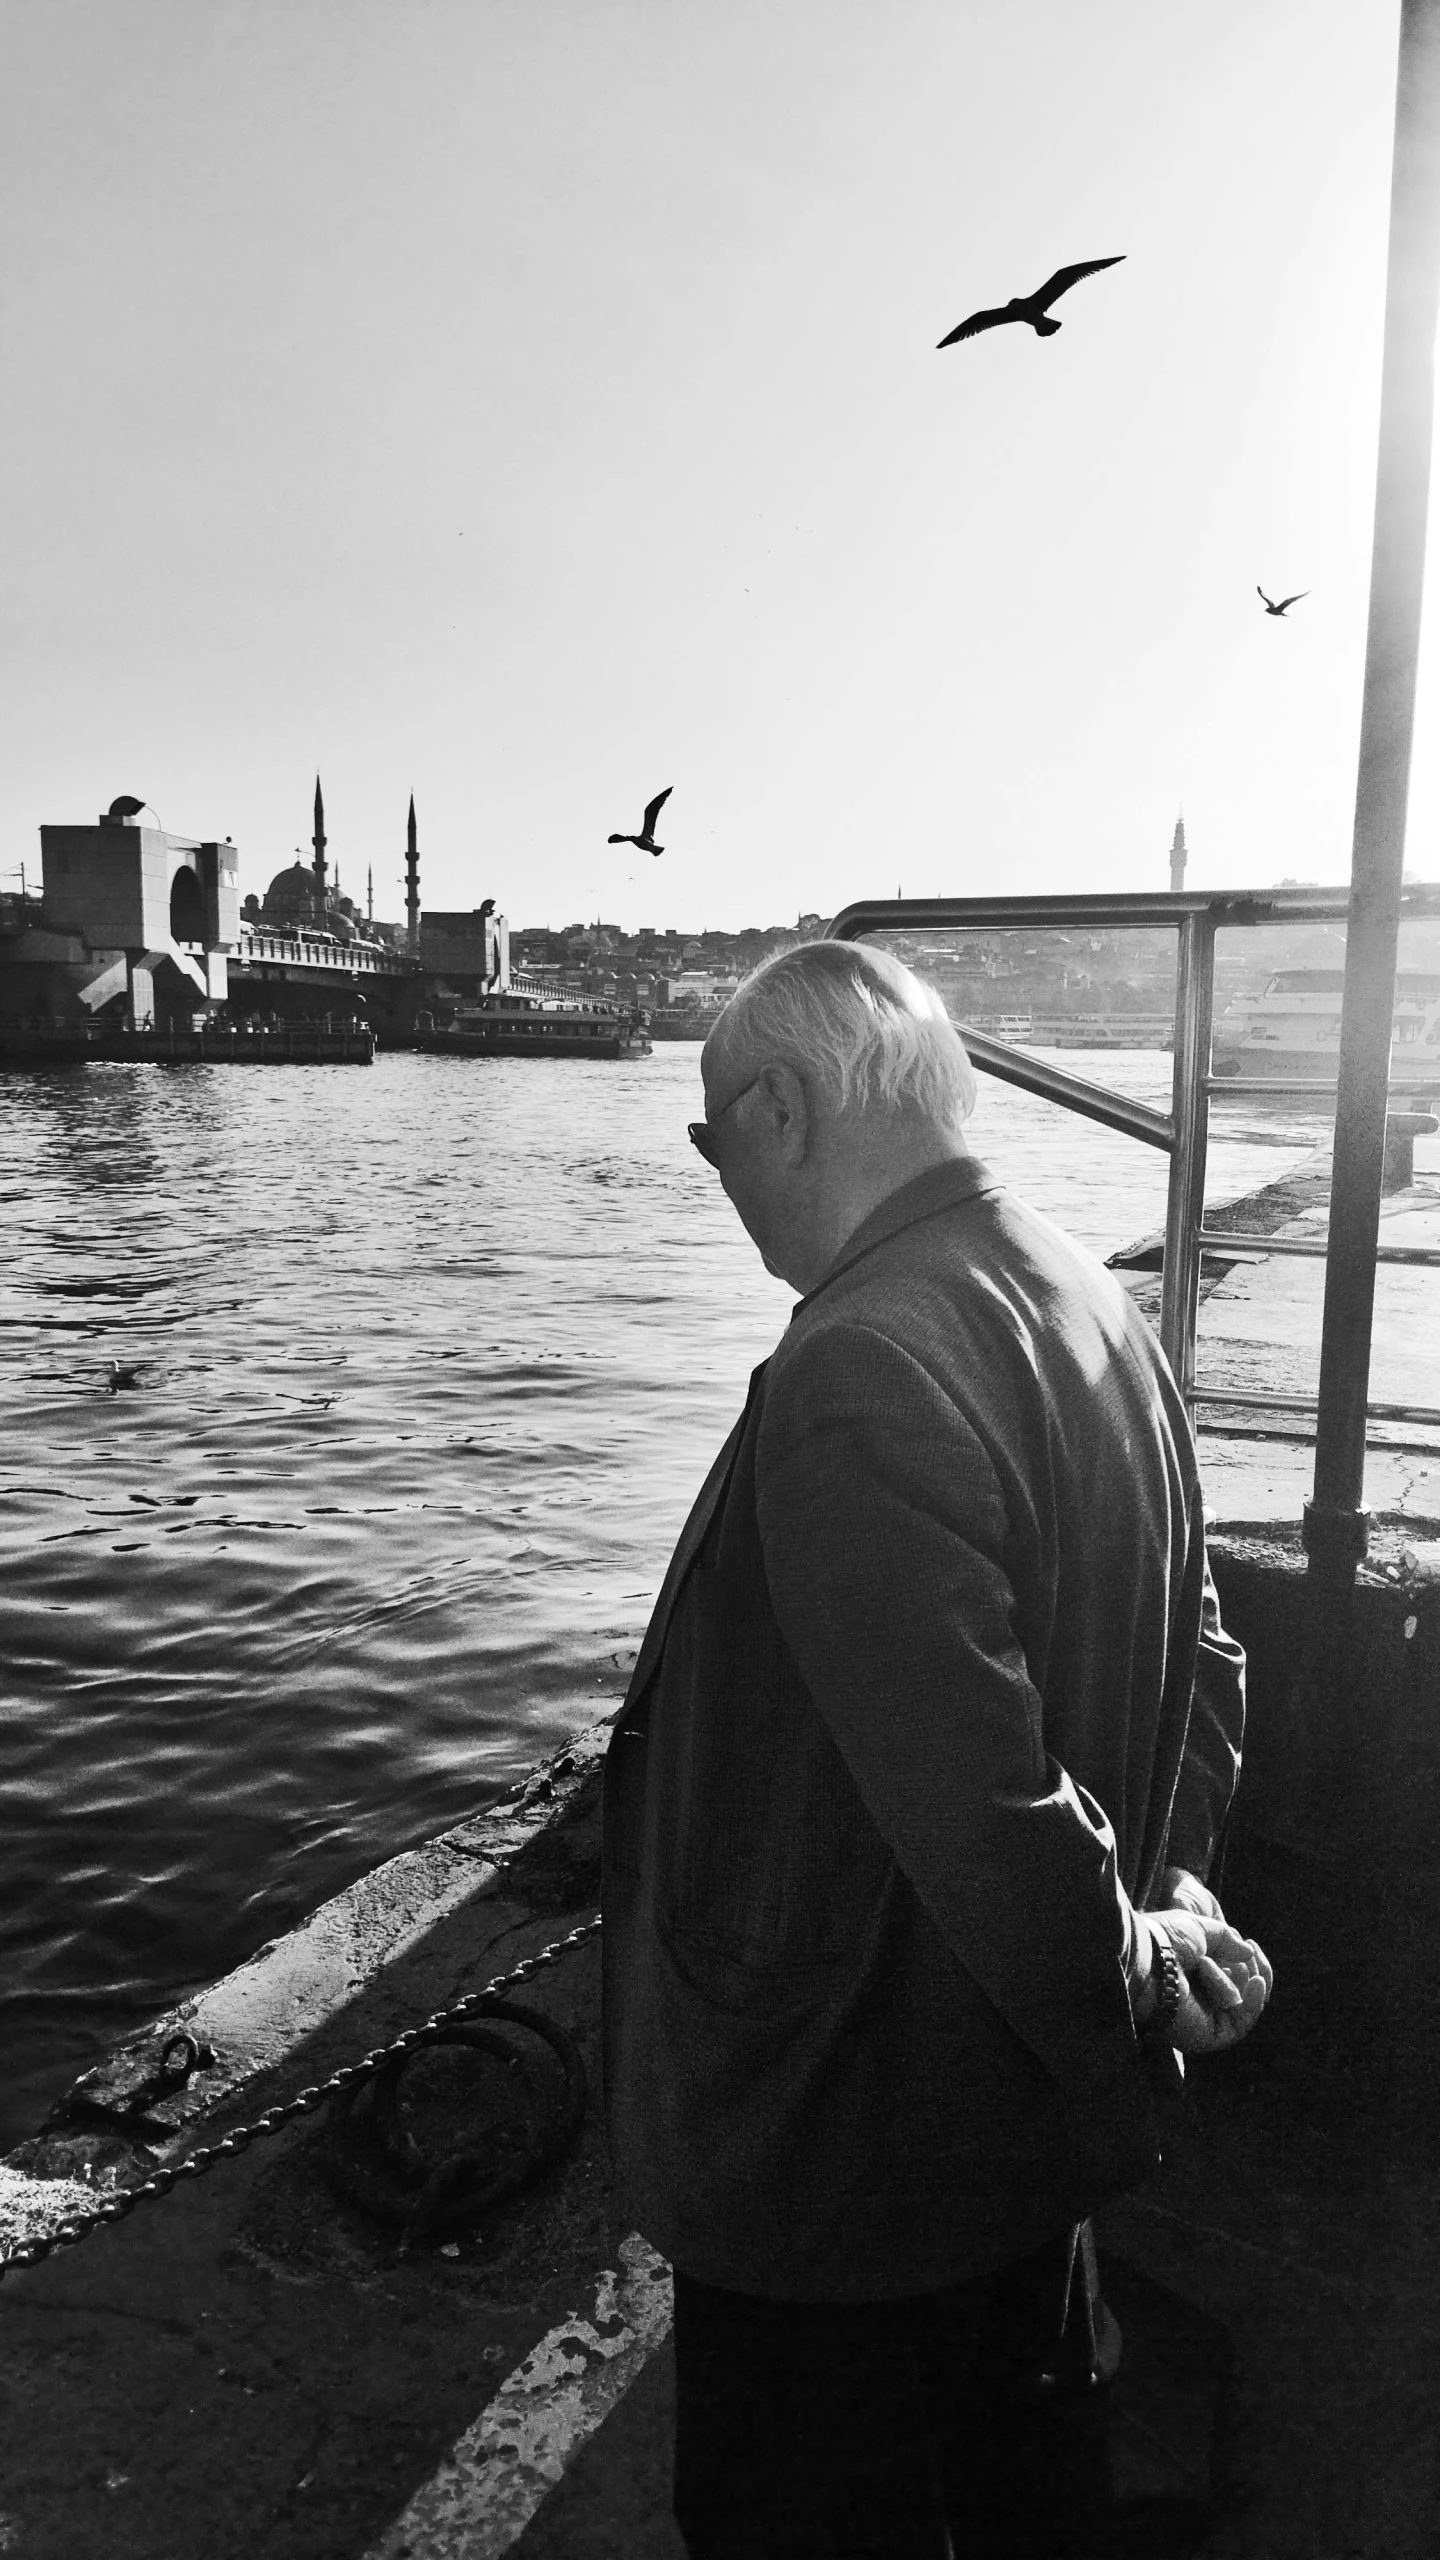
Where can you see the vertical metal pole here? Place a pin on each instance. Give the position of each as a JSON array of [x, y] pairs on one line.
[[1335, 1518], [1190, 1115]]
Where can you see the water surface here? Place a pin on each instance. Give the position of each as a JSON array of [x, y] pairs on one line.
[[432, 1357]]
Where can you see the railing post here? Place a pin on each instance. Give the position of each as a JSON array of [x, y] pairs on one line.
[[1335, 1517], [1190, 1116]]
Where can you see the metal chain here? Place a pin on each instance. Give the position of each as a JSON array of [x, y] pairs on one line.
[[115, 2208]]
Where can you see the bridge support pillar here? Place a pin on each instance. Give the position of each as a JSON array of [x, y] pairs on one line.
[[139, 991]]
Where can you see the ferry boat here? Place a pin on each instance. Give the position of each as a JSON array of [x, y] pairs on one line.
[[1292, 1028], [1078, 1030], [512, 1023]]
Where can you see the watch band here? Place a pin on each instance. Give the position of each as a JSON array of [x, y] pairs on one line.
[[1172, 1985]]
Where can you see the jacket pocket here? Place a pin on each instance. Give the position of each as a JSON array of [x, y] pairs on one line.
[[743, 1986]]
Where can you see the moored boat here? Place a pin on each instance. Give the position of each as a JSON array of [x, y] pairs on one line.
[[509, 1023], [1292, 1029]]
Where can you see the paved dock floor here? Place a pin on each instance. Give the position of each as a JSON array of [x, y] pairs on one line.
[[249, 2369]]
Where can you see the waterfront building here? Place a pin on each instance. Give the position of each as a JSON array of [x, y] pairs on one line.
[[467, 953], [136, 916], [699, 986]]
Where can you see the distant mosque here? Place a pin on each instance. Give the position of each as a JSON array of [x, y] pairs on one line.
[[467, 949], [299, 900]]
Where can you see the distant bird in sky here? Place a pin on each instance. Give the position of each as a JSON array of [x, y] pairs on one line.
[[645, 841], [124, 1374], [1032, 306], [1285, 605]]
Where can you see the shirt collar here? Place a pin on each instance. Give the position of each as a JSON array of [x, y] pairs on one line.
[[944, 1186]]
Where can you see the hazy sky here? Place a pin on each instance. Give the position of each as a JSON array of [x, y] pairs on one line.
[[529, 403]]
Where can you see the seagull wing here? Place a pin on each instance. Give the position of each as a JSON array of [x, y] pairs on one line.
[[972, 327], [1295, 599], [654, 808], [619, 839], [1267, 601], [1064, 277]]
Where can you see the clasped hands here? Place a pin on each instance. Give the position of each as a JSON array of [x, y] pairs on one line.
[[1227, 1978]]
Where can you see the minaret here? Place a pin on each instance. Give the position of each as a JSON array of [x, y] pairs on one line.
[[370, 894], [318, 841], [1177, 857], [412, 886]]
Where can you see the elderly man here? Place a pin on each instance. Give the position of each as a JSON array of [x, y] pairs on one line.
[[908, 1813]]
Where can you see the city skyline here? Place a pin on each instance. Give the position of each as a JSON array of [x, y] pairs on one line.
[[446, 445]]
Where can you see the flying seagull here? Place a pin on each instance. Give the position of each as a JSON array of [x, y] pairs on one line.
[[1283, 607], [1032, 306], [645, 841]]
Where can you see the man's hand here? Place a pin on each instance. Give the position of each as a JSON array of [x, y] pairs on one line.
[[1180, 1891], [1227, 1978]]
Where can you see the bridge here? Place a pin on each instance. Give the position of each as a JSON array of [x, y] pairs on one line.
[[139, 923]]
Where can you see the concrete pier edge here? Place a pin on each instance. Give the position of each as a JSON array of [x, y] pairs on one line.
[[306, 2001]]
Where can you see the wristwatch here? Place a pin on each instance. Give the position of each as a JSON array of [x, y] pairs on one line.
[[1172, 1984]]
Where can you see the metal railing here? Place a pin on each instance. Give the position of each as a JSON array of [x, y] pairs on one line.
[[306, 951], [1196, 916], [1335, 1522]]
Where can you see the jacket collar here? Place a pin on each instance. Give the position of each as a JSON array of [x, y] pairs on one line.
[[945, 1186]]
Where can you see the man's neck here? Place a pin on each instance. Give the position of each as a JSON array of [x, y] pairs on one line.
[[870, 1177]]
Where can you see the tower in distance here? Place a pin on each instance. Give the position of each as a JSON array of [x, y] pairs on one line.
[[318, 840], [1177, 856], [412, 886]]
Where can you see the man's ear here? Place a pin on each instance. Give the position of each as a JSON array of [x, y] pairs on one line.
[[786, 1103]]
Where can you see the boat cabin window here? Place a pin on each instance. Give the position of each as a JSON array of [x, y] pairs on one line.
[[1306, 982]]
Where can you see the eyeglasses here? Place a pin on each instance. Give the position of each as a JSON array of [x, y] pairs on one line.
[[702, 1132]]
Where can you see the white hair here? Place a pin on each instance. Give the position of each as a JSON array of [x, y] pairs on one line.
[[871, 1032]]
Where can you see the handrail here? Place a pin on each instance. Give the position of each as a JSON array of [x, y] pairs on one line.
[[1263, 1403], [1190, 1110], [1195, 915], [1235, 1240], [1093, 1101], [1097, 909], [1421, 1089]]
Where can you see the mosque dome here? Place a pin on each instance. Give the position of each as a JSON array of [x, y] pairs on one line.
[[290, 898], [289, 902]]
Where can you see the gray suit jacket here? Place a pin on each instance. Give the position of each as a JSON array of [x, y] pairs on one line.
[[915, 1724]]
